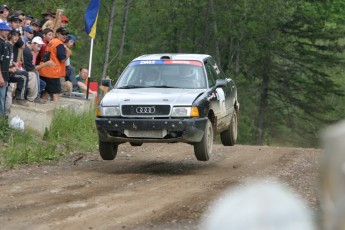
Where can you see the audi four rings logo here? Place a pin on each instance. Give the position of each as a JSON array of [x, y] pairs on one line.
[[145, 110]]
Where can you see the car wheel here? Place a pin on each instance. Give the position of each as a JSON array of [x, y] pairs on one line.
[[229, 136], [108, 150], [136, 144], [203, 149]]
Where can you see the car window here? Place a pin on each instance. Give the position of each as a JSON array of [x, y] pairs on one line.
[[164, 73], [211, 74], [213, 71]]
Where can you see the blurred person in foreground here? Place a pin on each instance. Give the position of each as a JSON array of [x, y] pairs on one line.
[[260, 205], [332, 177]]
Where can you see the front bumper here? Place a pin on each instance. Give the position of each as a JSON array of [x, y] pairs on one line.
[[189, 130]]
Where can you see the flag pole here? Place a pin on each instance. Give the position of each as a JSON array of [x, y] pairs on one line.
[[91, 16], [90, 65]]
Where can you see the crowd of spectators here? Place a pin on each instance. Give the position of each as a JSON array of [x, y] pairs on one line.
[[35, 59]]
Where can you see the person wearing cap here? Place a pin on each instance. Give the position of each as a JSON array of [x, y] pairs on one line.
[[48, 15], [64, 21], [70, 70], [28, 33], [35, 23], [4, 13], [21, 15], [14, 22], [57, 53], [18, 78], [34, 47], [5, 53]]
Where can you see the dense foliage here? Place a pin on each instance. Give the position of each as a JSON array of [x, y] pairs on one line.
[[285, 55]]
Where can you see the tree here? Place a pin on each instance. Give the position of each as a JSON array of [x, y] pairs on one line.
[[285, 55], [109, 36]]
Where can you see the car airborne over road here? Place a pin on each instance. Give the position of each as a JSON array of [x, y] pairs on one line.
[[169, 98]]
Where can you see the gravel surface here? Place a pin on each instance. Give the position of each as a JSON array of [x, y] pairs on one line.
[[155, 186]]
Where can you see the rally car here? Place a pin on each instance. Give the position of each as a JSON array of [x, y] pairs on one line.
[[169, 98]]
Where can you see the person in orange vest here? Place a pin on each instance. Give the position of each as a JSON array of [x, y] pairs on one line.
[[58, 53]]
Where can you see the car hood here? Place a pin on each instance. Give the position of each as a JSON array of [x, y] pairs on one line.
[[151, 96]]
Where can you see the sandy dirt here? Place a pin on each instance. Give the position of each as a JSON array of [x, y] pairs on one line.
[[155, 186]]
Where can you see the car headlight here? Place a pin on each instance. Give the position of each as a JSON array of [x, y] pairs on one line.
[[108, 111], [185, 112]]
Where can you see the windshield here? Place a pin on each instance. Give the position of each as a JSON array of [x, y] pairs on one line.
[[163, 74]]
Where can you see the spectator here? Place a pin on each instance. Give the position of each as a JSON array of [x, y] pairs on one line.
[[21, 15], [104, 89], [48, 15], [4, 13], [18, 79], [15, 24], [70, 70], [57, 53], [64, 21], [35, 23], [29, 66], [48, 24], [83, 79], [28, 20], [28, 33], [48, 35], [4, 63]]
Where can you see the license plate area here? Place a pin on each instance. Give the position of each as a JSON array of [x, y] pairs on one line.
[[146, 133]]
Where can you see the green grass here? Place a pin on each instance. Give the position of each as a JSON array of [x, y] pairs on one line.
[[69, 132]]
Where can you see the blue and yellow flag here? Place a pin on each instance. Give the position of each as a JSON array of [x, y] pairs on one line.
[[91, 15]]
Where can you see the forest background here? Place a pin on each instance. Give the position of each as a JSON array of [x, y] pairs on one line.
[[286, 56]]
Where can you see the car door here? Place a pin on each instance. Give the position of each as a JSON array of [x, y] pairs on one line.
[[229, 91], [218, 105]]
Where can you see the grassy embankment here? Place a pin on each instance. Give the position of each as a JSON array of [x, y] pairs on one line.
[[69, 132]]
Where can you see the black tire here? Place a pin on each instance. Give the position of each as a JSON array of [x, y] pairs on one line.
[[136, 144], [203, 149], [108, 150], [229, 136]]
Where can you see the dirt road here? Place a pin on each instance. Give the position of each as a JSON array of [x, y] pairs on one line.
[[156, 186]]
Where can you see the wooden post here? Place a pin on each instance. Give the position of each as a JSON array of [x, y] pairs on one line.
[[58, 17]]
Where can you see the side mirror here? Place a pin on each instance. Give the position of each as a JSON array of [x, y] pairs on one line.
[[221, 83], [107, 83]]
